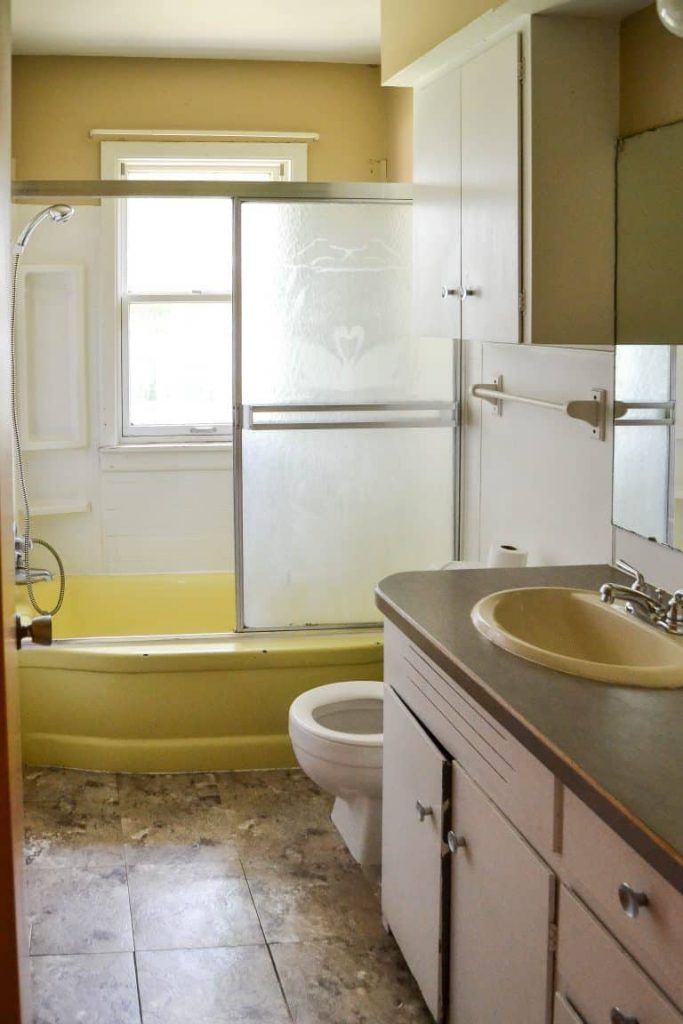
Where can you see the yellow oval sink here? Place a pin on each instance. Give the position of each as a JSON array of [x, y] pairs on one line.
[[572, 631]]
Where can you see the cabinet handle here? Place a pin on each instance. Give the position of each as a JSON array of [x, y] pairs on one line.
[[424, 811], [617, 1016], [455, 842], [457, 293], [631, 901]]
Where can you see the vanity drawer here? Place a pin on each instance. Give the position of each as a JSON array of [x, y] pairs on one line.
[[596, 863], [597, 979], [520, 785]]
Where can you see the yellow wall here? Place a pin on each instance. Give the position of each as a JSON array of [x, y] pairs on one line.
[[399, 134], [57, 100], [411, 28], [651, 73]]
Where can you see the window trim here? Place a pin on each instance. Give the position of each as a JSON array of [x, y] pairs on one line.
[[116, 432], [294, 155]]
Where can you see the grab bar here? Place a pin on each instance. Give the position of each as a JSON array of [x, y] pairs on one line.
[[446, 413], [591, 411]]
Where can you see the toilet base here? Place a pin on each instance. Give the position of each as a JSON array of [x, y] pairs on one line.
[[359, 822]]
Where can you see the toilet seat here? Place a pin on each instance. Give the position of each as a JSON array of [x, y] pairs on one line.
[[302, 711]]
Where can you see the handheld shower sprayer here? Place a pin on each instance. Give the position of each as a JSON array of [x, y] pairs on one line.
[[59, 213]]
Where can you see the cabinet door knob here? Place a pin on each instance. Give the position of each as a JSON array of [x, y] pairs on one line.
[[424, 811], [455, 842], [631, 901], [617, 1016]]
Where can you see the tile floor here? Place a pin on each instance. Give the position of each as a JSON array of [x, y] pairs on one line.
[[202, 899]]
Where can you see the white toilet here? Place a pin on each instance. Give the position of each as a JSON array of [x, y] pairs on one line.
[[336, 732]]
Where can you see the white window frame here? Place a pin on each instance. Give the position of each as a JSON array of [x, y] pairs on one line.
[[289, 162]]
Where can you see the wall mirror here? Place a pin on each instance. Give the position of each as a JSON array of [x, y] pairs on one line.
[[648, 435]]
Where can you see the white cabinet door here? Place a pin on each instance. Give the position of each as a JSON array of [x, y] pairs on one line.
[[436, 208], [502, 905], [491, 195], [414, 775]]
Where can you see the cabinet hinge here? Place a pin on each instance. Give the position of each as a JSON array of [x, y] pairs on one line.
[[522, 302], [521, 69], [552, 938]]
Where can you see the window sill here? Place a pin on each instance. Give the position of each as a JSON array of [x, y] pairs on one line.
[[167, 446], [166, 457]]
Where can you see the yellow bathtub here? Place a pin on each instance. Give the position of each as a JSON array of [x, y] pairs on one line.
[[126, 687]]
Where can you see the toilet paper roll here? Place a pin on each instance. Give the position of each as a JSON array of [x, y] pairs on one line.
[[506, 556]]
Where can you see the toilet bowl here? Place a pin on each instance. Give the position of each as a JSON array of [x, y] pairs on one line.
[[336, 733]]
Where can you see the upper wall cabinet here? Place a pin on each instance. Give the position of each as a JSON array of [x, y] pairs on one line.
[[514, 188], [491, 207], [436, 208]]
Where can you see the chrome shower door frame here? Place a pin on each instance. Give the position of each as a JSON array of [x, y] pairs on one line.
[[442, 413], [245, 416]]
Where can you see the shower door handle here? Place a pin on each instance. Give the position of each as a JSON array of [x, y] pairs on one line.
[[38, 630], [365, 416]]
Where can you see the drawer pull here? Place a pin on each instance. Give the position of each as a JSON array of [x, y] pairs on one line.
[[455, 842], [617, 1016], [424, 811], [631, 901]]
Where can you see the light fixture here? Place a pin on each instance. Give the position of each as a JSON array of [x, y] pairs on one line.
[[671, 15]]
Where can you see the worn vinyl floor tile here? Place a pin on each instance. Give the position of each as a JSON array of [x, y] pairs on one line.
[[341, 906], [163, 797], [180, 906], [78, 910], [71, 819], [176, 819], [210, 986], [339, 983], [280, 820], [94, 989]]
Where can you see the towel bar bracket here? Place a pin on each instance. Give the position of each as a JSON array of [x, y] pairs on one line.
[[592, 411]]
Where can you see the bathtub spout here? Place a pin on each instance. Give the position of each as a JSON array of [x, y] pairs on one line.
[[23, 576]]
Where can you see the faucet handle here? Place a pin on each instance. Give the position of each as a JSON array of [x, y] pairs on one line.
[[674, 612], [635, 574]]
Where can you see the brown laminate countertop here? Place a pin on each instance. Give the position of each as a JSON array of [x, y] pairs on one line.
[[619, 748]]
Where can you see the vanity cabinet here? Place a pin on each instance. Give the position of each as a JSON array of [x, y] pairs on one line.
[[413, 822], [514, 177], [503, 889], [502, 909]]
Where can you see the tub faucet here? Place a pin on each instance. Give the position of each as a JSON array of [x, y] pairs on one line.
[[22, 575], [652, 605]]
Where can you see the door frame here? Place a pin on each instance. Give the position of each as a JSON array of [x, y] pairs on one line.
[[13, 932]]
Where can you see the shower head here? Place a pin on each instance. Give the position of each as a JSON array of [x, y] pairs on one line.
[[59, 213]]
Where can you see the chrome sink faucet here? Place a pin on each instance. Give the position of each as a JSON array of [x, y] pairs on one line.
[[646, 602]]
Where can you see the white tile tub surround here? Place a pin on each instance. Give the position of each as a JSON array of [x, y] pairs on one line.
[[146, 510], [537, 478]]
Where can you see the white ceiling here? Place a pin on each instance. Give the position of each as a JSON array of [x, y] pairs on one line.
[[328, 30]]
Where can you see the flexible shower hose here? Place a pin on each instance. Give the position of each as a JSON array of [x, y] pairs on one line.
[[19, 460]]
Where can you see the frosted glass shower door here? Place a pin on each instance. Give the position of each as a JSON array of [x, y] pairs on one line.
[[345, 440]]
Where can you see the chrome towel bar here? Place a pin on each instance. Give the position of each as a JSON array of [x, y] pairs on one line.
[[591, 411]]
